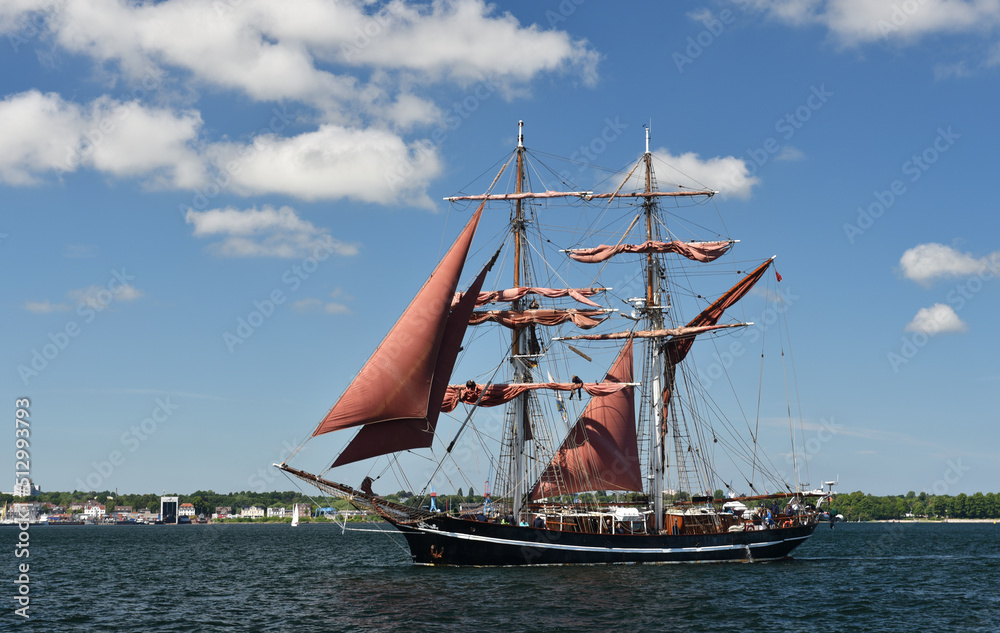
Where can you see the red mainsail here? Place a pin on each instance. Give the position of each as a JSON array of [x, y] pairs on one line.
[[395, 383], [601, 451]]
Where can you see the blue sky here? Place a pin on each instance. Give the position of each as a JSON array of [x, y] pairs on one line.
[[169, 169]]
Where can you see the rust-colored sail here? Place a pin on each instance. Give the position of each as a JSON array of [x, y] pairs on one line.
[[513, 294], [517, 320], [396, 381], [678, 348], [495, 395], [698, 251], [400, 435], [601, 451]]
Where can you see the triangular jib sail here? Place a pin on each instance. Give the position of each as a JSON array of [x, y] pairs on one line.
[[395, 383]]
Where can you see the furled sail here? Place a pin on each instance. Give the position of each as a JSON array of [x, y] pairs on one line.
[[601, 451], [513, 294], [395, 383], [498, 394], [585, 195], [518, 319], [698, 251]]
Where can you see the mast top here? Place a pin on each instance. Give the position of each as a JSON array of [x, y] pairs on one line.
[[520, 133], [647, 136]]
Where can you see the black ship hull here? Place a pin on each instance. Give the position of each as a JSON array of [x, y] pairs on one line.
[[444, 540]]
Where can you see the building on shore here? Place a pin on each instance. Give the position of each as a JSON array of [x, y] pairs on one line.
[[169, 509]]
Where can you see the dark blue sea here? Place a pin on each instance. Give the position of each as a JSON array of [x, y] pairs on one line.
[[855, 577]]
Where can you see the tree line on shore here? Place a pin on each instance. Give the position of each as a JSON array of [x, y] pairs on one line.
[[858, 506], [855, 506]]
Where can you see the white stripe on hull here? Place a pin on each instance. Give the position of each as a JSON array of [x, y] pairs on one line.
[[616, 550]]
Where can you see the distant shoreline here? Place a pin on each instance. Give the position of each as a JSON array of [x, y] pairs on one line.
[[933, 521]]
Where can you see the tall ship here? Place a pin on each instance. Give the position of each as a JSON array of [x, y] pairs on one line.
[[639, 462]]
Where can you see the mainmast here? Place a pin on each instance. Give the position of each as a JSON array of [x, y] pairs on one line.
[[521, 373], [653, 310]]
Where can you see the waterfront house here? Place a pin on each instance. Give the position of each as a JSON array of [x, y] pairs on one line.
[[253, 512], [276, 511], [186, 510]]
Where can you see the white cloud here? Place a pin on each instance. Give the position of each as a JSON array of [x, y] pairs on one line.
[[789, 153], [727, 174], [856, 22], [47, 134], [925, 262], [365, 164], [332, 307], [43, 133], [100, 297], [937, 319], [94, 296], [310, 51], [45, 307], [946, 71], [365, 72], [308, 305], [267, 232]]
